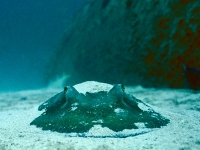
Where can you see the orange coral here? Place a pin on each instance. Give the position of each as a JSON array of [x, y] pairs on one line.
[[184, 49]]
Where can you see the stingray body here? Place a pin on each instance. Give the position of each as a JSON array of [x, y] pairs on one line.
[[72, 112]]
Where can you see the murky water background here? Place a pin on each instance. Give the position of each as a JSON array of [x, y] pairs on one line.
[[30, 31]]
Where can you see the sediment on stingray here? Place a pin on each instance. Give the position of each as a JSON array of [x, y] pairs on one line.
[[72, 112]]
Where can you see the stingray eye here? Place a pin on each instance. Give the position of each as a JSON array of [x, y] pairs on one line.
[[65, 89], [122, 86]]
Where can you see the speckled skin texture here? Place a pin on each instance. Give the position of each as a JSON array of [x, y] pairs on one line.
[[73, 112]]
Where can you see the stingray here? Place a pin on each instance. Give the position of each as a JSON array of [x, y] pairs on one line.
[[115, 110]]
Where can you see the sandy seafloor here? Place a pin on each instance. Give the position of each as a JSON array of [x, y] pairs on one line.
[[182, 107]]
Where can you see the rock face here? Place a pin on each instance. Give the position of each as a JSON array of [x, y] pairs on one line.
[[131, 42], [72, 112]]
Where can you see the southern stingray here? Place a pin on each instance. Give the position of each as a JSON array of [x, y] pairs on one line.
[[116, 111]]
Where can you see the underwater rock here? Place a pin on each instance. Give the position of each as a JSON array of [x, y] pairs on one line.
[[144, 42], [73, 112]]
